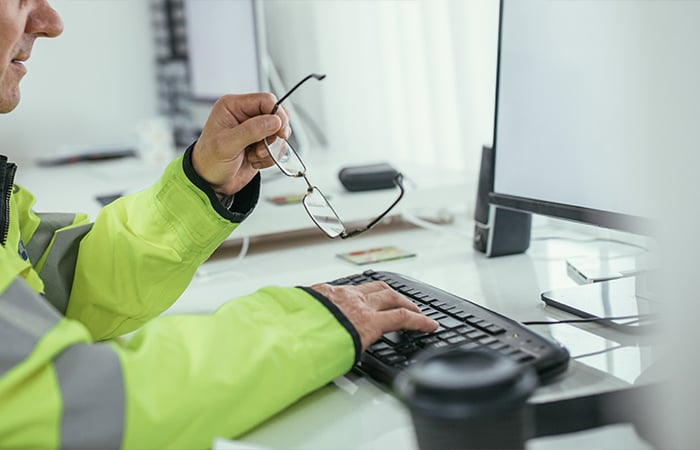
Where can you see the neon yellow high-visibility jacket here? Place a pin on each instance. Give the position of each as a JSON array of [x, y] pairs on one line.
[[68, 288]]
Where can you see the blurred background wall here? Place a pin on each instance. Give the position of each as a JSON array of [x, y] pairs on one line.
[[408, 80], [90, 87]]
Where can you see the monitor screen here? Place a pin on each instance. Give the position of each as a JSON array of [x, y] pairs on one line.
[[580, 90], [223, 48]]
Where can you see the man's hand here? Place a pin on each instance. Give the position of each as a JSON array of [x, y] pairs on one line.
[[230, 151], [374, 309]]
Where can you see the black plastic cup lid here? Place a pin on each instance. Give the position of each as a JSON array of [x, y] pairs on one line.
[[459, 383]]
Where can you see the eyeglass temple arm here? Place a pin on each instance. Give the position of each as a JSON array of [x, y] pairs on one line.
[[398, 181], [313, 75]]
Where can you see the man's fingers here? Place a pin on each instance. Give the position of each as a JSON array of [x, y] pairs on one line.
[[241, 107], [403, 319], [389, 299], [258, 156], [252, 131], [285, 130], [373, 286]]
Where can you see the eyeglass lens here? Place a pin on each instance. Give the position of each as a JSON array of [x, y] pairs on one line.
[[315, 203], [285, 157], [322, 213]]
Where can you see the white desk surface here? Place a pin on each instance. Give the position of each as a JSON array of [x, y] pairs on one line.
[[355, 413], [366, 416]]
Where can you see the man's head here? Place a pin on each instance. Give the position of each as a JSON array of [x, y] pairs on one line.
[[21, 22]]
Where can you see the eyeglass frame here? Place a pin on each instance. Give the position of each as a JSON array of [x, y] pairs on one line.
[[345, 234]]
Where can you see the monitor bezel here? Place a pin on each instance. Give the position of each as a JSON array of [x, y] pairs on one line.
[[591, 216]]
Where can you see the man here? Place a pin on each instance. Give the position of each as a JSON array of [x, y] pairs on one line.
[[68, 289]]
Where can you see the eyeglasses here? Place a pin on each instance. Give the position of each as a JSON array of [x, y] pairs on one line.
[[314, 201]]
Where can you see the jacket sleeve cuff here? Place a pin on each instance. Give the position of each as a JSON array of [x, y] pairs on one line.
[[243, 202], [340, 317]]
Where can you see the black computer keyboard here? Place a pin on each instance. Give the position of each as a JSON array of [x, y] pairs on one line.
[[462, 323]]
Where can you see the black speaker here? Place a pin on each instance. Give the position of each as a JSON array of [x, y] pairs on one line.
[[497, 231]]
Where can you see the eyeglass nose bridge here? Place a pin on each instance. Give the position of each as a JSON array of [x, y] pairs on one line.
[[309, 187]]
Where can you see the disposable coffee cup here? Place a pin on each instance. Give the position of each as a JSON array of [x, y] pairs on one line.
[[468, 399]]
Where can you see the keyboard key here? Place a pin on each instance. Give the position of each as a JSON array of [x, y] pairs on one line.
[[469, 346], [408, 291], [476, 334], [447, 334], [393, 337], [488, 340], [508, 350], [464, 329], [379, 345], [495, 329], [520, 356], [475, 321], [395, 359], [498, 345], [412, 334], [449, 322], [427, 340], [407, 348]]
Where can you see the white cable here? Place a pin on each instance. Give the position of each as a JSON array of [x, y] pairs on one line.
[[244, 248], [226, 266]]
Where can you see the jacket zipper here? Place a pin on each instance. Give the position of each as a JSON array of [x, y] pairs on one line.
[[7, 177]]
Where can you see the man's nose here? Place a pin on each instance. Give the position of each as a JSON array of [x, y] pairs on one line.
[[44, 20]]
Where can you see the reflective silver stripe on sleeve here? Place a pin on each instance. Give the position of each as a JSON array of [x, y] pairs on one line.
[[24, 318], [59, 268], [50, 222], [92, 386]]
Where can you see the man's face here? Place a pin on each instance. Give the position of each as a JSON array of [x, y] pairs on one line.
[[21, 22]]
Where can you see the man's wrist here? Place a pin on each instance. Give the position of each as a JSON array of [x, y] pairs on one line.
[[235, 207]]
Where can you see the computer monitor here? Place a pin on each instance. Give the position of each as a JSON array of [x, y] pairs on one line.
[[580, 101], [579, 90], [224, 46]]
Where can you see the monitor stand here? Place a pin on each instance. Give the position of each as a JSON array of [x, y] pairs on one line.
[[620, 297]]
